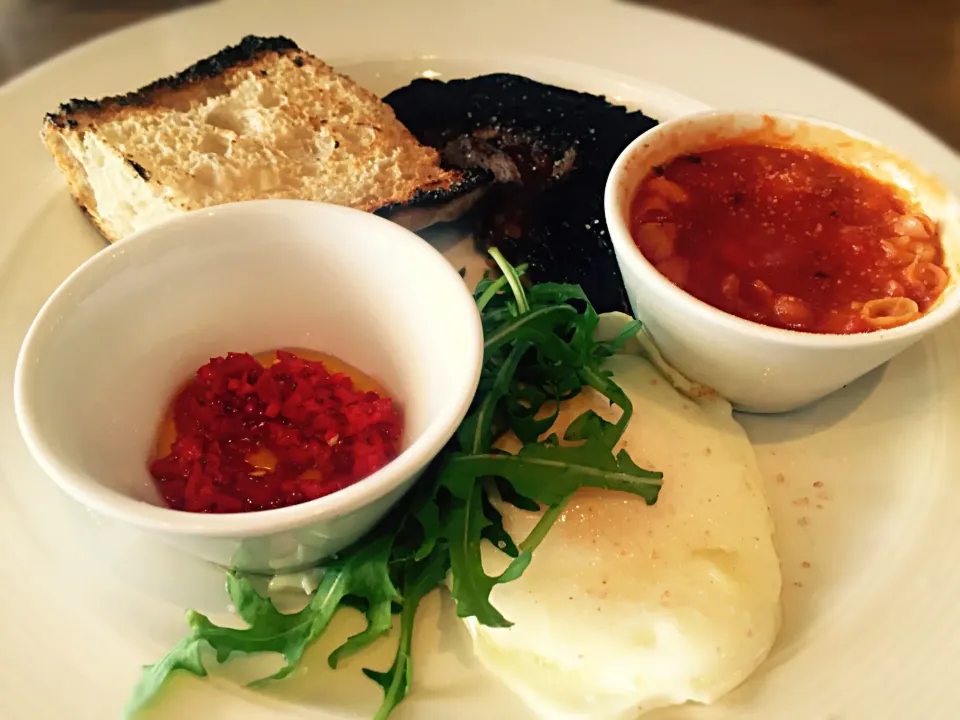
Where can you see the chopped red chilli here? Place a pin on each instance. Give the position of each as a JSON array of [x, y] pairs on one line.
[[254, 438]]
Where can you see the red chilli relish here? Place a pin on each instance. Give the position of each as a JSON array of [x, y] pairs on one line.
[[254, 433]]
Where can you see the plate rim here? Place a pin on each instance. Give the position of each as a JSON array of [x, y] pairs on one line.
[[53, 64]]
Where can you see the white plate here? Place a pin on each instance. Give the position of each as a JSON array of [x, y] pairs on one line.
[[863, 486]]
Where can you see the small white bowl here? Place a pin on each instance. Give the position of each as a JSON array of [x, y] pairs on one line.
[[759, 368], [111, 346]]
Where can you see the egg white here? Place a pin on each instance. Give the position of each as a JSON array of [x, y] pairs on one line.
[[626, 608]]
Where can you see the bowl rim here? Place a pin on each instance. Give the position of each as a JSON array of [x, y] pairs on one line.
[[629, 254], [117, 505]]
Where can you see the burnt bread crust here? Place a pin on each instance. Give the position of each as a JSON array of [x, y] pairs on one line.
[[365, 158], [550, 150], [470, 180], [250, 49]]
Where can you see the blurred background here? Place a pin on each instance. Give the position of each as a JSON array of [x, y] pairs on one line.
[[904, 51]]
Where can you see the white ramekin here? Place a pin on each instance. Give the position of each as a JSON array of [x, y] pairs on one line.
[[111, 346], [759, 368]]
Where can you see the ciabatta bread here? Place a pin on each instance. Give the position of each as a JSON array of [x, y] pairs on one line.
[[262, 119]]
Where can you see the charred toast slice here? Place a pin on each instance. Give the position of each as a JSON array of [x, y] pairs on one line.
[[261, 119], [550, 150]]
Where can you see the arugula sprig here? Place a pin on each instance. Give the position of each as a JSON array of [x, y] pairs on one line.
[[539, 350], [539, 347]]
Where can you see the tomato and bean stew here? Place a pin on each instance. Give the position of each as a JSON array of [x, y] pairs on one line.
[[789, 238]]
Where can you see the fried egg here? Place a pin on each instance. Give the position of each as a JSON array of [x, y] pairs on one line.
[[625, 607]]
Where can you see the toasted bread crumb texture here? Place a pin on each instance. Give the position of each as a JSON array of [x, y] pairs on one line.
[[278, 124]]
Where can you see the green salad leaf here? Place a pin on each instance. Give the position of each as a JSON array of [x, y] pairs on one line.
[[539, 350], [418, 579], [362, 574], [185, 655]]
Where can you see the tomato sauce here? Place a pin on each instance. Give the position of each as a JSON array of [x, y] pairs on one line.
[[253, 433], [788, 238]]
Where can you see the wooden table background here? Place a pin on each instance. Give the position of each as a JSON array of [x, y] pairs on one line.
[[904, 51]]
